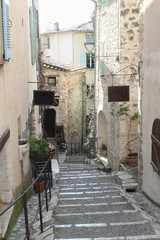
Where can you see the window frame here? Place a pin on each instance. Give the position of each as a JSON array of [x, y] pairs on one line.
[[5, 39], [52, 83], [90, 60]]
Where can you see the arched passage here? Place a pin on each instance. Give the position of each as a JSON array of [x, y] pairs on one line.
[[102, 130]]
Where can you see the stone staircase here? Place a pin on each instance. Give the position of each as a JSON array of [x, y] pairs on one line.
[[93, 206]]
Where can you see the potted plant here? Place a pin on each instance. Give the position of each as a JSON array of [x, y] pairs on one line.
[[104, 150], [39, 148], [39, 154], [123, 109], [52, 150], [41, 186], [59, 133], [62, 152]]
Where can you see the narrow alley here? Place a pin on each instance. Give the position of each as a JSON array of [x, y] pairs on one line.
[[91, 204]]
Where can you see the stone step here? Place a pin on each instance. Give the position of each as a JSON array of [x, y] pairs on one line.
[[142, 237], [99, 217], [103, 230], [87, 189], [90, 208], [86, 180], [90, 200]]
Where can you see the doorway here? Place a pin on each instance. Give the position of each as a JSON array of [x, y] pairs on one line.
[[102, 131], [49, 122]]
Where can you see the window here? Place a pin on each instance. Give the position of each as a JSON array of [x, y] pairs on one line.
[[155, 160], [87, 60], [5, 41], [52, 80], [90, 60]]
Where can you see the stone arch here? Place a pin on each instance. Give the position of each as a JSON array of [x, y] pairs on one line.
[[101, 131]]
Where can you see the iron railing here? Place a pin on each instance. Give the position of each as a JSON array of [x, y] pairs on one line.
[[46, 174]]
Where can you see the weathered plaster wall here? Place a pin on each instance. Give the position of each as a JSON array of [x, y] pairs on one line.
[[150, 96], [61, 46], [14, 99]]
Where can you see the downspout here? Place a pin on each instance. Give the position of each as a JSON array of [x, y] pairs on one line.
[[95, 71]]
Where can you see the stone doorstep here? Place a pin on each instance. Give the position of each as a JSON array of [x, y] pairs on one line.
[[130, 185], [125, 176]]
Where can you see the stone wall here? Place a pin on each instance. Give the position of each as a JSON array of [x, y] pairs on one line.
[[119, 28], [69, 113]]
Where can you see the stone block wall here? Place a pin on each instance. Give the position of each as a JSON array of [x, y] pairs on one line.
[[119, 29], [70, 112]]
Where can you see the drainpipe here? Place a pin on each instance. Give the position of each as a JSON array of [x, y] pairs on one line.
[[95, 70]]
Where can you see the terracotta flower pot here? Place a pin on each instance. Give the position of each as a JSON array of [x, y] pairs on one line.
[[41, 186], [132, 159], [52, 154], [104, 152]]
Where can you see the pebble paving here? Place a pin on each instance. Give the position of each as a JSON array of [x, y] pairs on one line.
[[88, 204]]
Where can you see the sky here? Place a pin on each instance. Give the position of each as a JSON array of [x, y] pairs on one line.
[[67, 12]]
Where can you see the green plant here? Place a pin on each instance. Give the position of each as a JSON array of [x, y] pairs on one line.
[[62, 147], [59, 129], [51, 147], [104, 147], [39, 147], [123, 109]]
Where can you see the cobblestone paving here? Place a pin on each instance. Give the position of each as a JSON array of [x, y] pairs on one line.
[[91, 206]]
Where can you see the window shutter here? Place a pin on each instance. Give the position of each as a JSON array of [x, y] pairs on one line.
[[83, 59], [103, 2], [32, 35], [6, 29], [102, 59]]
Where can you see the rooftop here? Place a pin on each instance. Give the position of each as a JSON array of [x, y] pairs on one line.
[[85, 27], [48, 62]]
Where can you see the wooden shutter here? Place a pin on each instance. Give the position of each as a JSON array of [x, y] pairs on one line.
[[6, 30], [32, 34], [83, 59], [102, 53]]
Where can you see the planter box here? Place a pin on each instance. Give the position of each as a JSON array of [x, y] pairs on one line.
[[62, 156], [23, 149]]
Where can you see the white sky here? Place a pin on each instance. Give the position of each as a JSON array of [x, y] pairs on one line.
[[67, 12]]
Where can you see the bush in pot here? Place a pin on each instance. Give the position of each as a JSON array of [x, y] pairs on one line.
[[39, 153], [39, 147], [104, 150], [123, 109]]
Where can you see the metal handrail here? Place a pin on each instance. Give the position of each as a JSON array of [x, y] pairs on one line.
[[23, 195]]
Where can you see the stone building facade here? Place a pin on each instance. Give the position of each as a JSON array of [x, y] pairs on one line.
[[67, 46], [117, 31], [69, 87]]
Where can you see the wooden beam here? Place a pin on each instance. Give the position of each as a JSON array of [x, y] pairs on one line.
[[4, 139]]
